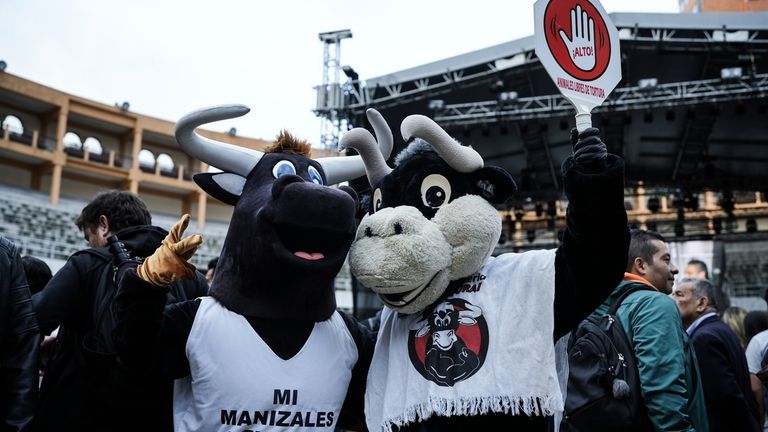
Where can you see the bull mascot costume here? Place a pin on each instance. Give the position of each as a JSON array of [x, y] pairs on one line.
[[466, 340], [267, 350]]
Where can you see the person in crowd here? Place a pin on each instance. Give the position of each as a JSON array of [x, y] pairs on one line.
[[19, 342], [757, 354], [37, 272], [725, 376], [669, 375], [754, 322], [696, 269], [82, 388], [734, 317], [211, 270]]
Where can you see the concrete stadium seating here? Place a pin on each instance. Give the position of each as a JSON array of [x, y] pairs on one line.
[[48, 231]]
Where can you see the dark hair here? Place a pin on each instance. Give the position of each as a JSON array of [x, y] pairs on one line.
[[213, 263], [123, 209], [641, 245], [37, 272], [754, 323], [701, 265]]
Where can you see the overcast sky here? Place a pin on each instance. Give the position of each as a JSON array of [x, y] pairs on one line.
[[169, 57]]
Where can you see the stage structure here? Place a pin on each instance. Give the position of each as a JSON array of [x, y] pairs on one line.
[[690, 118], [329, 96], [687, 112]]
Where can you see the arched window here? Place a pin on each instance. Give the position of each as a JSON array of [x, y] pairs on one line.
[[92, 145], [13, 124], [72, 140], [165, 162], [146, 159]]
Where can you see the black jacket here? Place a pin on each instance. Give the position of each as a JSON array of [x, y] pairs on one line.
[[731, 405], [69, 394], [19, 343]]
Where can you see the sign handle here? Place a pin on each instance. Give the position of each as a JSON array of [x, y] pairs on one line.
[[583, 120]]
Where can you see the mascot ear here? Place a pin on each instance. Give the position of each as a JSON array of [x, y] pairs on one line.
[[225, 187], [494, 184]]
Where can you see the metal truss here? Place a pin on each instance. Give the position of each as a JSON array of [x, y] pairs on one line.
[[354, 97], [622, 99]]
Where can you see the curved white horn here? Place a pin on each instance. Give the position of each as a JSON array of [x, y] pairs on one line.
[[341, 168], [226, 157], [365, 144], [461, 158], [372, 155], [382, 131]]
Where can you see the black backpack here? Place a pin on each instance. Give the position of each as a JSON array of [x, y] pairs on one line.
[[603, 381], [96, 351]]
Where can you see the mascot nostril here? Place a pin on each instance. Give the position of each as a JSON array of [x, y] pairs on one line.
[[351, 192], [282, 182]]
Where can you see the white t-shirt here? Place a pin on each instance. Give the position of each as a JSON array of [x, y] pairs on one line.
[[238, 383], [486, 348], [756, 350]]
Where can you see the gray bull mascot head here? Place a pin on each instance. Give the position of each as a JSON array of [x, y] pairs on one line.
[[432, 218]]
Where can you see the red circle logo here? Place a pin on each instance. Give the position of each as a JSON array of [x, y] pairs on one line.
[[578, 38]]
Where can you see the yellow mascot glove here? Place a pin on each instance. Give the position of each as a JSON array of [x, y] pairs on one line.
[[169, 262]]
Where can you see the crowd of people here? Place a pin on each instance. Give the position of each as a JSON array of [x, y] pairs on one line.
[[701, 366]]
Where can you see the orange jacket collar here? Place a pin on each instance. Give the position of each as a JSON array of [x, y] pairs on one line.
[[635, 278]]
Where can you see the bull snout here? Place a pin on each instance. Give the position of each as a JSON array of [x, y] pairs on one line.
[[282, 182], [393, 222], [299, 202]]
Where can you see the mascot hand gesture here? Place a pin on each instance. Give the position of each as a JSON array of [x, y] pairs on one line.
[[169, 262]]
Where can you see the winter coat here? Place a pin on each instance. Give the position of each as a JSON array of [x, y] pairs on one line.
[[669, 372], [72, 393], [19, 343], [730, 402]]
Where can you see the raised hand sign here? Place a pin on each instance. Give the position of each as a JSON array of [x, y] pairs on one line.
[[579, 48], [581, 44]]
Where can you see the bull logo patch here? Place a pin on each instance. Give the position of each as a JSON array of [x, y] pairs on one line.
[[449, 343]]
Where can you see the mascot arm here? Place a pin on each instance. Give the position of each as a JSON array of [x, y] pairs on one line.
[[148, 336], [352, 414], [591, 261]]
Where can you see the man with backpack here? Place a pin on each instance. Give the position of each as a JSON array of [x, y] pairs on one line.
[[84, 387], [660, 358]]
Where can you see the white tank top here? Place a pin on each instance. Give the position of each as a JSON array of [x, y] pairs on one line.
[[238, 384]]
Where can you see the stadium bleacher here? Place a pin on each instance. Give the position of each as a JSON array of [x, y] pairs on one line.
[[46, 231]]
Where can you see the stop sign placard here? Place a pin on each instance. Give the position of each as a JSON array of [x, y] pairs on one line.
[[578, 45]]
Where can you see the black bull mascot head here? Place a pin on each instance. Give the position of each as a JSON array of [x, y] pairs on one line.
[[289, 233], [432, 219]]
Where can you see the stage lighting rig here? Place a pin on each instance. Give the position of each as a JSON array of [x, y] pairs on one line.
[[335, 36], [349, 72]]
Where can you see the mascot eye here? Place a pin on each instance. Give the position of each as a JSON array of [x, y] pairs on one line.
[[315, 176], [376, 200], [282, 168], [435, 191]]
